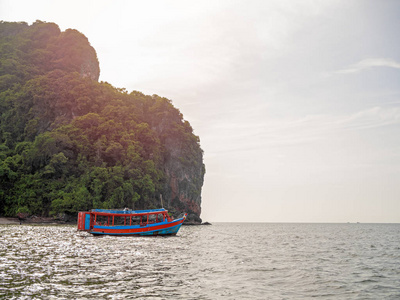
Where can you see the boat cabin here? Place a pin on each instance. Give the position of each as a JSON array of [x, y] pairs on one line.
[[105, 217]]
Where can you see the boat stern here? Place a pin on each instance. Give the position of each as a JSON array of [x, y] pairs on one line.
[[84, 221]]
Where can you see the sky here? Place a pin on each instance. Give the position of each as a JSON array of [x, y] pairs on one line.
[[296, 103]]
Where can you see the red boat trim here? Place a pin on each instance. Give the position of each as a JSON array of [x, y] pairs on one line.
[[162, 223], [110, 230]]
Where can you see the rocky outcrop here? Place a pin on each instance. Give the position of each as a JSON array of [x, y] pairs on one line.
[[184, 180], [182, 160], [41, 48], [74, 53], [71, 143]]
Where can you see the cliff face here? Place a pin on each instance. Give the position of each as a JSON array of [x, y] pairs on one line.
[[184, 181], [182, 159], [69, 143]]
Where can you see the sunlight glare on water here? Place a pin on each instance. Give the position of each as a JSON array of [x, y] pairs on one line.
[[223, 261]]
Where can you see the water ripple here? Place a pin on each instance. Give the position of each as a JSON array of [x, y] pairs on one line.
[[229, 261]]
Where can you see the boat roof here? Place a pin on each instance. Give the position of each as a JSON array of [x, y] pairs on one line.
[[128, 211]]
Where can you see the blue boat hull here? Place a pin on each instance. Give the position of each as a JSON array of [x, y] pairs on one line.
[[165, 228]]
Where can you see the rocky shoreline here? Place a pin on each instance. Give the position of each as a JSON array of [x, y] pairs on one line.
[[9, 221], [33, 220], [195, 223]]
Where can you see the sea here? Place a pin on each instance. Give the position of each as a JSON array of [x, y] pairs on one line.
[[221, 261]]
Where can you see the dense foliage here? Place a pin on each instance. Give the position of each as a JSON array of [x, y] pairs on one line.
[[70, 143]]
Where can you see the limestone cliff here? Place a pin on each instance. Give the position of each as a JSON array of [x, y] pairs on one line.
[[182, 159], [184, 181], [69, 143]]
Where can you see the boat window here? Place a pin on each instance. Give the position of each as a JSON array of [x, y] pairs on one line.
[[135, 220], [118, 221], [152, 218], [101, 220], [160, 218], [143, 220]]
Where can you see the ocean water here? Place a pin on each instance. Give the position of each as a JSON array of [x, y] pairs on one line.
[[222, 261]]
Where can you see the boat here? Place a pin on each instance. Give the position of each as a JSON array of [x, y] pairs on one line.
[[129, 222]]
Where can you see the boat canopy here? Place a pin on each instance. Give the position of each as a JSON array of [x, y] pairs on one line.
[[128, 211]]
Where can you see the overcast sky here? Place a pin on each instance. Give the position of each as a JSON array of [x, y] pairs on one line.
[[297, 103]]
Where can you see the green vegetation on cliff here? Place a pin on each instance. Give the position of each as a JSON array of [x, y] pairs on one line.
[[69, 143]]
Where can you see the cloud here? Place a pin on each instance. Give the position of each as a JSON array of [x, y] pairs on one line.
[[256, 135], [370, 63]]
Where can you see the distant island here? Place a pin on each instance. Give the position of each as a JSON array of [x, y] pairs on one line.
[[69, 143]]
